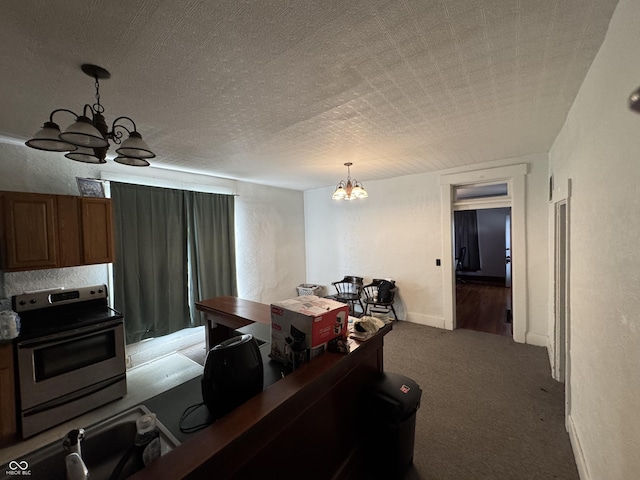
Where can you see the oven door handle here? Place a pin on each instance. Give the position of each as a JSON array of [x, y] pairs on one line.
[[63, 337]]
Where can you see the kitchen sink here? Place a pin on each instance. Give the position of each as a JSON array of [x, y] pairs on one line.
[[104, 445]]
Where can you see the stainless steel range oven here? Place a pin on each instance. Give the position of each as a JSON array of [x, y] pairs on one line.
[[70, 355]]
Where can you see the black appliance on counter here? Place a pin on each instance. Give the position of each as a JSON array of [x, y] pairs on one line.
[[233, 373], [70, 355]]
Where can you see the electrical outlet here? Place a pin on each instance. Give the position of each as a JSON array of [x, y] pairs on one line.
[[129, 362], [437, 262]]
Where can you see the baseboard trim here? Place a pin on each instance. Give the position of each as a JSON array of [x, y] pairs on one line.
[[581, 463], [552, 363], [537, 339]]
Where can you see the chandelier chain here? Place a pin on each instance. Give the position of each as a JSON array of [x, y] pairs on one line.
[[97, 107]]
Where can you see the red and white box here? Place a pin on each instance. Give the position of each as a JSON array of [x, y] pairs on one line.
[[301, 328]]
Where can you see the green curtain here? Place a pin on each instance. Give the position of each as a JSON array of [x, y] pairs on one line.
[[466, 235], [173, 247], [212, 248]]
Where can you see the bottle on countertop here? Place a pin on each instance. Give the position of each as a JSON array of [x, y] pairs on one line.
[[148, 438]]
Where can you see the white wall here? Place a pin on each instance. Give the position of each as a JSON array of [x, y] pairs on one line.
[[397, 233], [270, 234], [269, 222], [599, 150]]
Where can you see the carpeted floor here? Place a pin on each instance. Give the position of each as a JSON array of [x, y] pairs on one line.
[[489, 410]]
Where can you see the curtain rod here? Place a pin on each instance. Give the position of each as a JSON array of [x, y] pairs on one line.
[[162, 182]]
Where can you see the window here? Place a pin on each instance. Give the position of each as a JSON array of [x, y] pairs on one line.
[[474, 192]]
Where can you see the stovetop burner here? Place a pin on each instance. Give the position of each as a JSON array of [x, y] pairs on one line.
[[39, 326], [48, 312]]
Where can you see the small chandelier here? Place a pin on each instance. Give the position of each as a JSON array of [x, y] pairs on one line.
[[87, 139], [349, 190]]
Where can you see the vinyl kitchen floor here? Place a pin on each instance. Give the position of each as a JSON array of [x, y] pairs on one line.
[[143, 382]]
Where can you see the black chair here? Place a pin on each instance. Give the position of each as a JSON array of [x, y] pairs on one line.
[[349, 291], [460, 258], [459, 263], [380, 293]]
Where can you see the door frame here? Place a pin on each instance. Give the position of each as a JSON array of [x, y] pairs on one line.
[[561, 290], [507, 251], [560, 335], [514, 176]]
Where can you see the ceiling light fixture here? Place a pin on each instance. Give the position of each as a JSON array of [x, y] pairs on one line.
[[634, 101], [349, 190], [87, 139]]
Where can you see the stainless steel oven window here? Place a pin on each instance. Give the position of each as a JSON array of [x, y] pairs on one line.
[[74, 354]]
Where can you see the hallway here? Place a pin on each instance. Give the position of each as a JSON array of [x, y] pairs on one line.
[[484, 308]]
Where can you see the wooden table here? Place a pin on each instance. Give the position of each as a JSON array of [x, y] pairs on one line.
[[226, 314], [303, 426]]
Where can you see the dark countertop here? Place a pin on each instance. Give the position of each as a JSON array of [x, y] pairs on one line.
[[315, 402], [170, 405]]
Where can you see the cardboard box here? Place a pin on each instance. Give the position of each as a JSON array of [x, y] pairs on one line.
[[301, 328]]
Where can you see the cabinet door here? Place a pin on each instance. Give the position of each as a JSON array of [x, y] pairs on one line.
[[30, 231], [69, 231], [7, 395], [97, 231]]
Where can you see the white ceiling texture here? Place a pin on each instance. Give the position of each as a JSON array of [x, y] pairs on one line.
[[284, 92]]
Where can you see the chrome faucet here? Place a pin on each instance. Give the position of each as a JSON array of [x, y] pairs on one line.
[[76, 468]]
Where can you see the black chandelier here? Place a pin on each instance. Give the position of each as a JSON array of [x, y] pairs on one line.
[[87, 139]]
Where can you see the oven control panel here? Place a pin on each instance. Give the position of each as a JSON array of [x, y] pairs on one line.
[[58, 296]]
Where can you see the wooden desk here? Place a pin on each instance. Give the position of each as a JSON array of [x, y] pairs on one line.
[[225, 314], [303, 426]]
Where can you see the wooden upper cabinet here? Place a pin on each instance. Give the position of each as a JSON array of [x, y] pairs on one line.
[[30, 231], [49, 231], [69, 234], [97, 230]]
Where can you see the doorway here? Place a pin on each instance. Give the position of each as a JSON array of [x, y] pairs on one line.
[[561, 309], [482, 238], [514, 177]]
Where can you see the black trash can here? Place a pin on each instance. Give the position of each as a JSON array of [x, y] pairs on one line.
[[390, 404]]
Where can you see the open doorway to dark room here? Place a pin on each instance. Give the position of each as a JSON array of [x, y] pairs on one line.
[[483, 270]]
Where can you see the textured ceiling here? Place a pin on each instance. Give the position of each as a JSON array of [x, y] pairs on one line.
[[284, 92]]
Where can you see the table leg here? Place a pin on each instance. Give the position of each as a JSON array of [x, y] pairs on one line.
[[217, 333]]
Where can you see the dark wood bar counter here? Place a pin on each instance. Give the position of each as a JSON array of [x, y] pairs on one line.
[[306, 425]]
